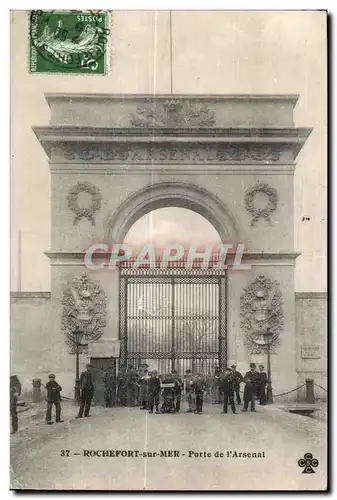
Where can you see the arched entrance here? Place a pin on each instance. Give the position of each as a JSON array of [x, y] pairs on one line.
[[173, 194], [174, 318]]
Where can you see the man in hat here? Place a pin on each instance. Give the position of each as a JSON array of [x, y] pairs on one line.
[[227, 388], [237, 379], [53, 398], [199, 387], [87, 392], [154, 391], [251, 380]]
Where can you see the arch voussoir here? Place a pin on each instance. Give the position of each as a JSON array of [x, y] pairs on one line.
[[172, 194]]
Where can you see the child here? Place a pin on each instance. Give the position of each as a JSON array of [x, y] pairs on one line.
[[53, 397], [154, 391]]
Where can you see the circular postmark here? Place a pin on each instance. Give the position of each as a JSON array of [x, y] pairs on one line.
[[70, 39]]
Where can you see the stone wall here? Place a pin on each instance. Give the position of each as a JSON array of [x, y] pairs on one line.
[[30, 329], [32, 349], [311, 339]]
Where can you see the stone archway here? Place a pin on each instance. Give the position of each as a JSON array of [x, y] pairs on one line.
[[207, 153], [173, 194]]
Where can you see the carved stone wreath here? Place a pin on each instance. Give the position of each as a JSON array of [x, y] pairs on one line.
[[261, 213], [261, 307], [94, 206], [84, 307]]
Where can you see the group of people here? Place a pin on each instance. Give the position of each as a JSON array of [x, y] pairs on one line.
[[156, 393], [159, 392], [143, 388], [255, 387]]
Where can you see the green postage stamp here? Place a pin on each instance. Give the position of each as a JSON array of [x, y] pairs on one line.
[[69, 42]]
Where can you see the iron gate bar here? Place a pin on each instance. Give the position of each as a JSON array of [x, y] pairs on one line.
[[172, 324]]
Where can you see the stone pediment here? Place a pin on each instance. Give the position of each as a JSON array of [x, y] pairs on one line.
[[129, 129]]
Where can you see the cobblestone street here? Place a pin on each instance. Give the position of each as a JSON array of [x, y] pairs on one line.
[[283, 438]]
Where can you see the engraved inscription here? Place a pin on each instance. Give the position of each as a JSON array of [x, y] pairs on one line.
[[172, 153]]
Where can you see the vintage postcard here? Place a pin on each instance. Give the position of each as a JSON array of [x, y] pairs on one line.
[[168, 250]]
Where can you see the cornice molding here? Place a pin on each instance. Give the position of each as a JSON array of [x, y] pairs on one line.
[[311, 295], [30, 295], [216, 134], [222, 146], [52, 97], [169, 169], [59, 257], [172, 129]]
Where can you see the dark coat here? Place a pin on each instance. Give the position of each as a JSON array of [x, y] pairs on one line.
[[154, 385], [178, 383], [263, 379], [15, 389], [86, 382], [53, 391], [199, 386], [227, 384], [237, 378], [252, 380]]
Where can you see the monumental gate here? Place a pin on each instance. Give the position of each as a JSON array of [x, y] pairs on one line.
[[231, 159]]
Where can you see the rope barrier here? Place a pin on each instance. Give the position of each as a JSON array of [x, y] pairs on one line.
[[284, 393], [323, 388], [288, 392]]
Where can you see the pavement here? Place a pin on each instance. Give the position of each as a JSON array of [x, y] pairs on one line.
[[129, 449]]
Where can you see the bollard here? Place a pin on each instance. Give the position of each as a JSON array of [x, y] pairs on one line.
[[310, 397], [36, 390]]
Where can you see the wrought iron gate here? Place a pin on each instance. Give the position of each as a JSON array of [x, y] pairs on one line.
[[173, 318]]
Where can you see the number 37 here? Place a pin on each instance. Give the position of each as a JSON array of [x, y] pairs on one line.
[[65, 453]]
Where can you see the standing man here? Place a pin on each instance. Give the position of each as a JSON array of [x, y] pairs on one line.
[[15, 391], [53, 398], [262, 385], [199, 388], [178, 386], [237, 379], [154, 391], [227, 385], [87, 392], [251, 380]]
